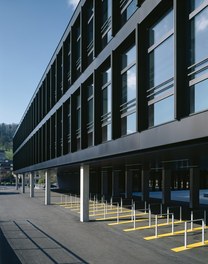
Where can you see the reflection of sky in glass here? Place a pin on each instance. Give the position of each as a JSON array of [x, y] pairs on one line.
[[161, 63], [129, 85], [90, 111], [131, 123], [107, 100], [196, 3], [129, 57], [106, 10], [201, 96], [201, 35], [162, 27], [106, 76], [164, 110]]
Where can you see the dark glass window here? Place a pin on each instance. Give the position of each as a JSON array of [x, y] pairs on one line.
[[106, 22], [69, 125], [90, 114], [127, 7], [160, 94], [78, 121], [128, 91], [199, 96], [77, 48], [106, 105], [198, 69], [195, 4], [90, 17]]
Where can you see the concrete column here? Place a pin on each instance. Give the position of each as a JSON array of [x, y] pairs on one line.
[[84, 193], [194, 187], [115, 184], [166, 184], [32, 184], [47, 188], [128, 183], [23, 183], [145, 185], [104, 183]]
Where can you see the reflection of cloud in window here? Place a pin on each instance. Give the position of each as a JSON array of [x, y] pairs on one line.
[[202, 21], [131, 80], [73, 3]]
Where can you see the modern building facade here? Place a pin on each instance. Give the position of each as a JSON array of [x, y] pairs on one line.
[[123, 104]]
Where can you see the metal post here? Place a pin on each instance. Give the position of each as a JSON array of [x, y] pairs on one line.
[[168, 212], [117, 212], [172, 223], [156, 225], [202, 232], [106, 206], [111, 201], [121, 204], [180, 213], [185, 236], [192, 218], [134, 216], [145, 207], [149, 217], [94, 207], [161, 210], [205, 217]]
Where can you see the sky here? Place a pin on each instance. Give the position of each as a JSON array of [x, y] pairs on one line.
[[30, 31]]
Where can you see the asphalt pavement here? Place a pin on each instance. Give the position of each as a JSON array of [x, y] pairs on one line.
[[35, 233]]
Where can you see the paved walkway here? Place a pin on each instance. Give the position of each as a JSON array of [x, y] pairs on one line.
[[53, 234]]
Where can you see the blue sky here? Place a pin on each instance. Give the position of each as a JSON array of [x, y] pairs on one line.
[[29, 34]]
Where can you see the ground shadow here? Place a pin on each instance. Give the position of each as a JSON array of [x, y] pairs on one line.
[[7, 254]]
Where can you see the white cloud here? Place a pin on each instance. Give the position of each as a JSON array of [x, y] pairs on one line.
[[73, 3], [202, 21]]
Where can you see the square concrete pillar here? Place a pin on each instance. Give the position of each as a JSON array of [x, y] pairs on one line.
[[47, 188], [128, 183], [115, 184], [32, 184], [166, 184], [194, 187], [23, 183], [145, 185], [84, 193]]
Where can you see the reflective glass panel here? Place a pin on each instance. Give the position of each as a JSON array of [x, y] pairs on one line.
[[78, 118], [129, 57], [157, 31], [89, 90], [162, 63], [200, 36], [195, 4], [128, 12], [106, 10], [106, 99], [106, 76], [162, 111], [129, 85], [199, 96], [90, 111], [106, 133], [128, 124]]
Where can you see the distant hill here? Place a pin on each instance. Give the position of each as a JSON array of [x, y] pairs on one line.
[[6, 134]]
